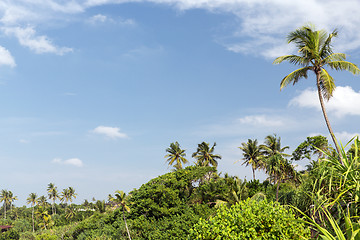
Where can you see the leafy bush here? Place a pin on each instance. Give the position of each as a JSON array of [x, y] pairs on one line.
[[251, 220]]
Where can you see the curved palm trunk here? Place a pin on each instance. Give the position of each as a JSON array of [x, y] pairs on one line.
[[126, 225], [326, 117]]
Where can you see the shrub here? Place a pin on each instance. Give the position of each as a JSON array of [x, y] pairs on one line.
[[251, 220]]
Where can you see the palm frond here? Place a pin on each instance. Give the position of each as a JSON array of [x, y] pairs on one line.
[[334, 57], [344, 65], [294, 59], [327, 84], [294, 76]]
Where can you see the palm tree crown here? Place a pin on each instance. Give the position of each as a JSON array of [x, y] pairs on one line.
[[315, 52], [204, 155], [53, 195], [176, 155]]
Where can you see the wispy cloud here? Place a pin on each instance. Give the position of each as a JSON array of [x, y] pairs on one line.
[[260, 29], [72, 161], [6, 58], [39, 44], [103, 19], [345, 101], [110, 132], [261, 26]]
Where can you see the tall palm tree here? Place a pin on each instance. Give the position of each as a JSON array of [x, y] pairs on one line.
[[205, 155], [176, 155], [120, 200], [53, 195], [12, 198], [315, 52], [32, 199], [5, 197], [252, 155]]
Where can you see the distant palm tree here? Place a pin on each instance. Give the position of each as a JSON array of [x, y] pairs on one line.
[[42, 201], [272, 146], [65, 196], [176, 155], [205, 155], [315, 52], [5, 197], [53, 195], [72, 193], [120, 200], [12, 198], [32, 199], [252, 155]]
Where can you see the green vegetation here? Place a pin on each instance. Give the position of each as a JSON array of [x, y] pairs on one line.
[[197, 202]]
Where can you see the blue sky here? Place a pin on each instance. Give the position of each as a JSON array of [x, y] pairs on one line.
[[93, 92]]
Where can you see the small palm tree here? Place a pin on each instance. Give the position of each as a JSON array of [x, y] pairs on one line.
[[252, 155], [205, 155], [53, 195], [32, 199], [176, 155], [315, 52], [120, 200]]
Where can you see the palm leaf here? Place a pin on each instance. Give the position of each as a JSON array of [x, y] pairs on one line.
[[294, 76], [344, 65], [327, 84]]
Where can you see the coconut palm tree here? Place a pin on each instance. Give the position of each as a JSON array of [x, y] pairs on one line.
[[32, 199], [272, 146], [205, 155], [5, 197], [12, 198], [120, 200], [42, 201], [252, 155], [176, 155], [72, 194], [53, 195], [315, 52]]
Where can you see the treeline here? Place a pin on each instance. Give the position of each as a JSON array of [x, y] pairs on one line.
[[197, 203]]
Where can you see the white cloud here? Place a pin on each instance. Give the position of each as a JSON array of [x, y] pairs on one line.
[[345, 101], [259, 26], [72, 161], [111, 132], [24, 141], [6, 58], [262, 25], [344, 137], [39, 44], [261, 120]]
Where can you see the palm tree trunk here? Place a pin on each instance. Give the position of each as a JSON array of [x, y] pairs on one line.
[[126, 225], [33, 222], [277, 188], [5, 210], [326, 117], [253, 169]]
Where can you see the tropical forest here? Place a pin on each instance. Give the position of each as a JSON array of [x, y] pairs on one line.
[[195, 201]]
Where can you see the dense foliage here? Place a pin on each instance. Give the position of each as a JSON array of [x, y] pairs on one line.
[[251, 219]]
